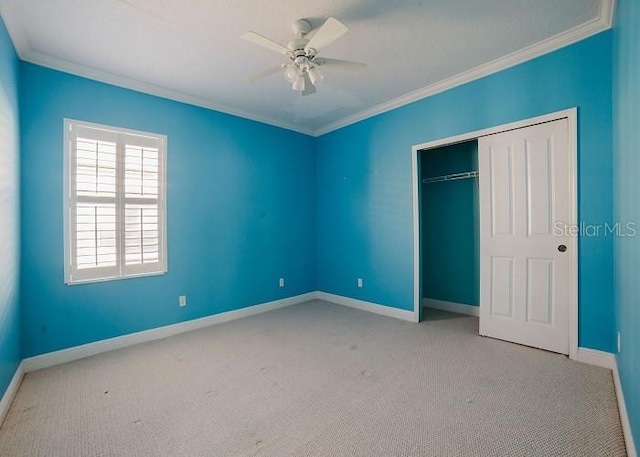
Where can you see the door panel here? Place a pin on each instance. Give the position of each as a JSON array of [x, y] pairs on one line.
[[502, 287], [525, 281], [501, 190], [540, 291], [539, 187]]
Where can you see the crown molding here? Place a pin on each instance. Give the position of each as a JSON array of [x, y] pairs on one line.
[[55, 63], [608, 11], [9, 9], [602, 22]]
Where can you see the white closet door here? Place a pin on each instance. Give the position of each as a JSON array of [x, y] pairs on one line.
[[525, 267]]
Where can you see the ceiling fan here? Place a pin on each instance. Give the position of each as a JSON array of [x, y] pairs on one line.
[[302, 72]]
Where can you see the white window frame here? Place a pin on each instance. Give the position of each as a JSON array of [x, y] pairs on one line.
[[73, 275]]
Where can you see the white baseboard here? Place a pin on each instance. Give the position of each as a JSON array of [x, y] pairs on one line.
[[86, 350], [79, 352], [624, 416], [608, 360], [597, 358], [10, 393], [459, 308], [388, 311]]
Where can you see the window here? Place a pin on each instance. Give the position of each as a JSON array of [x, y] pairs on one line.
[[115, 213]]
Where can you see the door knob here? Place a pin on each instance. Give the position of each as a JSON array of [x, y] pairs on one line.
[[562, 248]]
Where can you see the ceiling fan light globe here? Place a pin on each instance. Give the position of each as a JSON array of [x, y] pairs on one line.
[[298, 84], [291, 73], [315, 76]]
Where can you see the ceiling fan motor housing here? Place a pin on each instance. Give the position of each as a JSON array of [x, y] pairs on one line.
[[297, 45]]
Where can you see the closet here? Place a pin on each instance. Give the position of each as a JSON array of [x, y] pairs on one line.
[[450, 241], [491, 217]]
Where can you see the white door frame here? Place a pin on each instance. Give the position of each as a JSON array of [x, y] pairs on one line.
[[572, 116]]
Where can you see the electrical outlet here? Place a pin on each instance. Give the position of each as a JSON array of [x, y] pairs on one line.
[[618, 342], [360, 284], [281, 282], [182, 300]]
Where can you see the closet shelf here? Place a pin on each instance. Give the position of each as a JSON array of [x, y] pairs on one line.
[[451, 177]]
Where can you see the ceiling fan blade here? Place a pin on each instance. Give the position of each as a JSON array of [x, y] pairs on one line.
[[308, 87], [265, 42], [330, 31], [264, 74], [346, 66]]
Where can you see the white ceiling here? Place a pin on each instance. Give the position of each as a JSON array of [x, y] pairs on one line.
[[190, 50]]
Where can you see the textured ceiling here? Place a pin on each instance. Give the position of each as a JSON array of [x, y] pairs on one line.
[[191, 50]]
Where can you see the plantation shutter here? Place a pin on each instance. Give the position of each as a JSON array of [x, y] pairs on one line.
[[142, 205], [115, 213]]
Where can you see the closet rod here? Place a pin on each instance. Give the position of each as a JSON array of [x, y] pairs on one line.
[[452, 177]]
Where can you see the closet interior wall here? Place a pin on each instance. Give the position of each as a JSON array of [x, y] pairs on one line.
[[450, 240]]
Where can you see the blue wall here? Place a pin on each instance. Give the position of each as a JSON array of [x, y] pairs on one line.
[[246, 201], [627, 200], [364, 184], [450, 225], [9, 211], [241, 211]]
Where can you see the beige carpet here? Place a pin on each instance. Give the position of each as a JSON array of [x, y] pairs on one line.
[[318, 380]]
